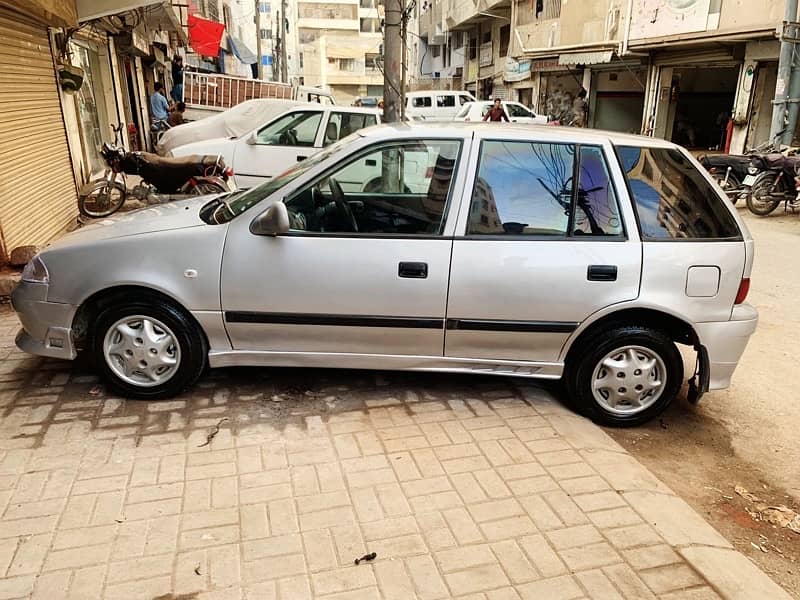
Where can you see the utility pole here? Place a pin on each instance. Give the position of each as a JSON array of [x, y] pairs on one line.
[[258, 40], [392, 60], [779, 105], [284, 65]]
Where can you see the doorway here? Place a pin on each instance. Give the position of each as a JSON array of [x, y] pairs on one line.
[[701, 100]]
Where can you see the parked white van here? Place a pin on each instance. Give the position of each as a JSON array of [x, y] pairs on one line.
[[436, 105]]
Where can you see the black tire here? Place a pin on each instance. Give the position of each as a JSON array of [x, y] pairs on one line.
[[192, 345], [581, 371], [762, 199], [102, 200], [731, 189]]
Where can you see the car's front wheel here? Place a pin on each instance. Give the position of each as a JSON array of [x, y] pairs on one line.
[[625, 376], [147, 349]]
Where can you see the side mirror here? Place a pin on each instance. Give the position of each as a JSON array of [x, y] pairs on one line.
[[273, 221], [252, 138]]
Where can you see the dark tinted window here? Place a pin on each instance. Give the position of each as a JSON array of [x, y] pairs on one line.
[[446, 101], [421, 101], [522, 188], [596, 209], [672, 198]]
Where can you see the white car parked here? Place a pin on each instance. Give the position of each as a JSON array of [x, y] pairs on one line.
[[543, 252], [516, 112], [272, 147], [436, 105]]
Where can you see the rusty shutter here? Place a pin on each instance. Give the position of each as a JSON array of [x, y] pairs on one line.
[[37, 188]]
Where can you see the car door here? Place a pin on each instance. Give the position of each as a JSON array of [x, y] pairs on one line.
[[361, 273], [276, 146], [517, 113], [534, 254]]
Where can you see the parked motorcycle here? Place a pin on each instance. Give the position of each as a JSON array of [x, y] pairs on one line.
[[730, 172], [774, 183], [162, 179]]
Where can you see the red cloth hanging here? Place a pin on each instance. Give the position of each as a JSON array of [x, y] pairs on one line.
[[205, 36]]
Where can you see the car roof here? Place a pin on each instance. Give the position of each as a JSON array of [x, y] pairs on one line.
[[576, 135], [428, 92]]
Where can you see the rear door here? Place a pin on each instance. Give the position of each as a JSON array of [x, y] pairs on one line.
[[277, 146], [535, 254]]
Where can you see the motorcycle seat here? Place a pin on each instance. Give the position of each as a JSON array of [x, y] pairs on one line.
[[168, 174]]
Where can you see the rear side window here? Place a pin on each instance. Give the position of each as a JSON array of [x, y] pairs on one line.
[[672, 198], [421, 102]]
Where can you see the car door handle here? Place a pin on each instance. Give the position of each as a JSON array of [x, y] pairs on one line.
[[413, 270], [299, 158], [601, 273]]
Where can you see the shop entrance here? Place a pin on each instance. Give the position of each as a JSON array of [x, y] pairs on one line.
[[700, 103]]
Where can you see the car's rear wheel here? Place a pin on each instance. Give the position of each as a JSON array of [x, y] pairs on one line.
[[147, 349], [625, 376]]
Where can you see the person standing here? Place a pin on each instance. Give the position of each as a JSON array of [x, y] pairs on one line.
[[579, 109], [177, 78], [496, 113]]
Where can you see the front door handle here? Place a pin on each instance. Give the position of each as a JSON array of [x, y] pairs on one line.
[[299, 158], [601, 273], [413, 270]]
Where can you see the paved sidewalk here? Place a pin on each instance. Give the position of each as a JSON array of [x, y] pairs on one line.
[[464, 487]]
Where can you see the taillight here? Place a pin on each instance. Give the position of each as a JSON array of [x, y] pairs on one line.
[[744, 287], [228, 171]]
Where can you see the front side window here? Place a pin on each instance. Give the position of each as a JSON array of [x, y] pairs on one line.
[[463, 112], [342, 124], [526, 188], [672, 198], [463, 99], [447, 101], [293, 129], [400, 188]]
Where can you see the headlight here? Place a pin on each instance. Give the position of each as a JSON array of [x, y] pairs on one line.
[[35, 271]]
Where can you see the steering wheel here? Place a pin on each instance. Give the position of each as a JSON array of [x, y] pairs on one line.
[[288, 138], [338, 197]]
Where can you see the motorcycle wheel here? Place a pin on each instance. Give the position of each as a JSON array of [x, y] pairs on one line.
[[732, 189], [206, 188], [763, 199], [104, 199]]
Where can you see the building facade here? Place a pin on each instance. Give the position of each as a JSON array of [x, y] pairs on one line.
[[341, 46], [676, 69]]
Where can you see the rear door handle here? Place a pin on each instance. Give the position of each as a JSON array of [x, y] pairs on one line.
[[601, 273], [299, 158], [413, 270]]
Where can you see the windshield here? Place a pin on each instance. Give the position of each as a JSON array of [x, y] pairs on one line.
[[229, 207]]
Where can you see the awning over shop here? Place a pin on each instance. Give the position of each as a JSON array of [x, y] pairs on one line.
[[240, 51], [586, 58], [205, 36]]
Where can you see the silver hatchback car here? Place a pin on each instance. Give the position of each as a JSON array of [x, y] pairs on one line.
[[535, 252]]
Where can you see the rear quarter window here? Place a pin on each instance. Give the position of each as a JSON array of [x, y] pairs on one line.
[[672, 199]]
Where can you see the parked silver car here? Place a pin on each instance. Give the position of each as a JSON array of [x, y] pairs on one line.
[[543, 253]]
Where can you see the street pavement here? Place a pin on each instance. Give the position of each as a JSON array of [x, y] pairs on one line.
[[266, 484]]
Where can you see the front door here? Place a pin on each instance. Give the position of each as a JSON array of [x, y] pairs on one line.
[[360, 272], [539, 255], [276, 147]]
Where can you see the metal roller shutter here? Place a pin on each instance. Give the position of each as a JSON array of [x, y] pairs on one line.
[[38, 197]]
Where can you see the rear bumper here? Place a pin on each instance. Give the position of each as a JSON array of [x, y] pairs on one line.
[[725, 342], [46, 326]]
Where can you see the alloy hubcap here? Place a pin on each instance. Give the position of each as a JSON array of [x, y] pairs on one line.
[[628, 380], [141, 351]]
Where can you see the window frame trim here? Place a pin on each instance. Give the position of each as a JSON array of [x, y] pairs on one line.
[[446, 210], [621, 237]]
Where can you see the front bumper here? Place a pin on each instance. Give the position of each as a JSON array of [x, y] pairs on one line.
[[46, 326], [725, 342]]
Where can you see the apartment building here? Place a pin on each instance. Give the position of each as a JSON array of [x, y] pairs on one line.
[[676, 69], [341, 46]]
